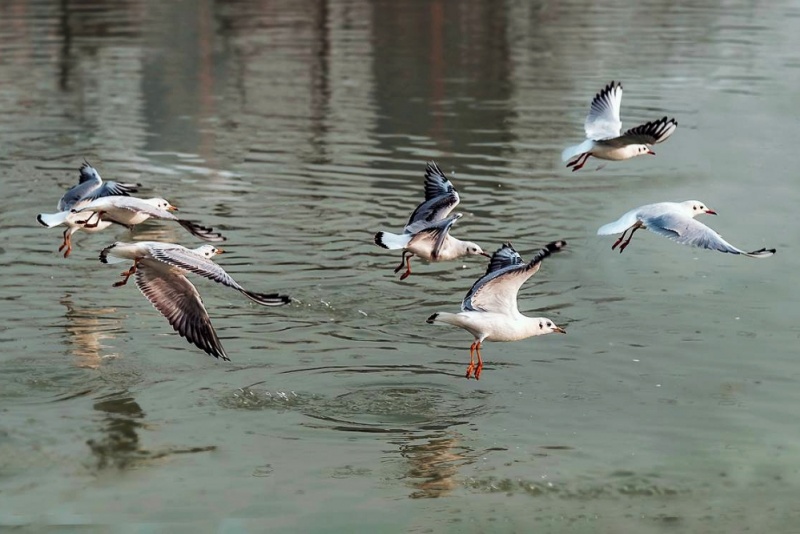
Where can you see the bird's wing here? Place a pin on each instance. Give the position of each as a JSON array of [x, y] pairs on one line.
[[496, 291], [187, 260], [649, 133], [603, 119], [439, 231], [688, 231], [178, 300], [440, 199], [91, 186]]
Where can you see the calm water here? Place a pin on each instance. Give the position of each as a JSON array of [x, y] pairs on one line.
[[299, 128]]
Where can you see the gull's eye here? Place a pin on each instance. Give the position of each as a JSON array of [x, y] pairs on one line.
[[549, 323], [694, 208], [540, 325]]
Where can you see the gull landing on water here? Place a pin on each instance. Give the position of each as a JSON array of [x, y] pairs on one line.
[[130, 211], [160, 270], [90, 187], [603, 127], [675, 220], [427, 232], [489, 311]]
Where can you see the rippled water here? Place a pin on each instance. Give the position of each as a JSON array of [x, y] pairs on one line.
[[301, 128]]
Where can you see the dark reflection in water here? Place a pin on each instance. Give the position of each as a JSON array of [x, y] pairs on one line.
[[433, 462], [119, 446], [87, 327]]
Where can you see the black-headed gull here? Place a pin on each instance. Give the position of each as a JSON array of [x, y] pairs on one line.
[[427, 232], [603, 127], [675, 220], [90, 187], [489, 311], [130, 211], [160, 270]]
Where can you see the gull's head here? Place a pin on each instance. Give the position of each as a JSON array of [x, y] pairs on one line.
[[644, 149], [695, 207], [208, 251], [161, 204], [546, 326], [472, 249]]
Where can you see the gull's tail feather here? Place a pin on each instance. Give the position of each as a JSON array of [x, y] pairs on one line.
[[392, 241], [761, 253], [108, 257], [205, 233], [267, 299], [52, 219], [571, 152], [442, 317]]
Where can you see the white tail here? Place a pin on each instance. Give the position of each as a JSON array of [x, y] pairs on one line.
[[52, 219], [392, 241], [571, 152]]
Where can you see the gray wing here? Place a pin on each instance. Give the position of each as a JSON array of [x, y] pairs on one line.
[[496, 291], [649, 133], [439, 231], [178, 300], [189, 261], [440, 199], [688, 231], [91, 186], [603, 119]]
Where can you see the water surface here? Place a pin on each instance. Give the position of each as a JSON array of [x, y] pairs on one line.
[[301, 128]]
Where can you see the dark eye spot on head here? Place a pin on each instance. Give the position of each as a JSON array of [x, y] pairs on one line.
[[549, 323], [540, 325], [694, 207]]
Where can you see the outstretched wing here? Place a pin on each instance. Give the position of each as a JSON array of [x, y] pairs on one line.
[[497, 290], [91, 186], [439, 231], [178, 300], [688, 231], [440, 199], [650, 133], [189, 261], [603, 119]]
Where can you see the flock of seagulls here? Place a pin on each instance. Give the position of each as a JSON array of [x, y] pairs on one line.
[[489, 311], [160, 268]]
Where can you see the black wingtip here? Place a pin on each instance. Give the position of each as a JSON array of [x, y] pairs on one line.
[[104, 253], [268, 299], [206, 233], [39, 219], [432, 318], [555, 246]]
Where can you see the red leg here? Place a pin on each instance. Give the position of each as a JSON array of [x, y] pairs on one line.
[[581, 161], [127, 274], [620, 240], [87, 224], [402, 262], [480, 361], [471, 367], [66, 240], [67, 243], [408, 268], [630, 236]]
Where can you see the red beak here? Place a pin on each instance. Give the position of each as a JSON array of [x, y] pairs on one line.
[[711, 212], [651, 152]]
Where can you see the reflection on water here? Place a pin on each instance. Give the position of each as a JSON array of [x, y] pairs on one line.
[[434, 462], [299, 128], [87, 327]]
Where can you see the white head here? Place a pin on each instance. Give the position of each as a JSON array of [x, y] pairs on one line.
[[693, 208], [642, 149], [161, 204], [208, 251], [546, 326], [472, 249]]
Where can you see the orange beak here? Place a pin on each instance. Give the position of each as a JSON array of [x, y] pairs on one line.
[[219, 251], [559, 330], [651, 152], [711, 212]]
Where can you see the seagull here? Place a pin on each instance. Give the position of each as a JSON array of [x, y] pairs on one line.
[[130, 211], [489, 311], [160, 270], [675, 220], [427, 232], [603, 127], [90, 187]]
